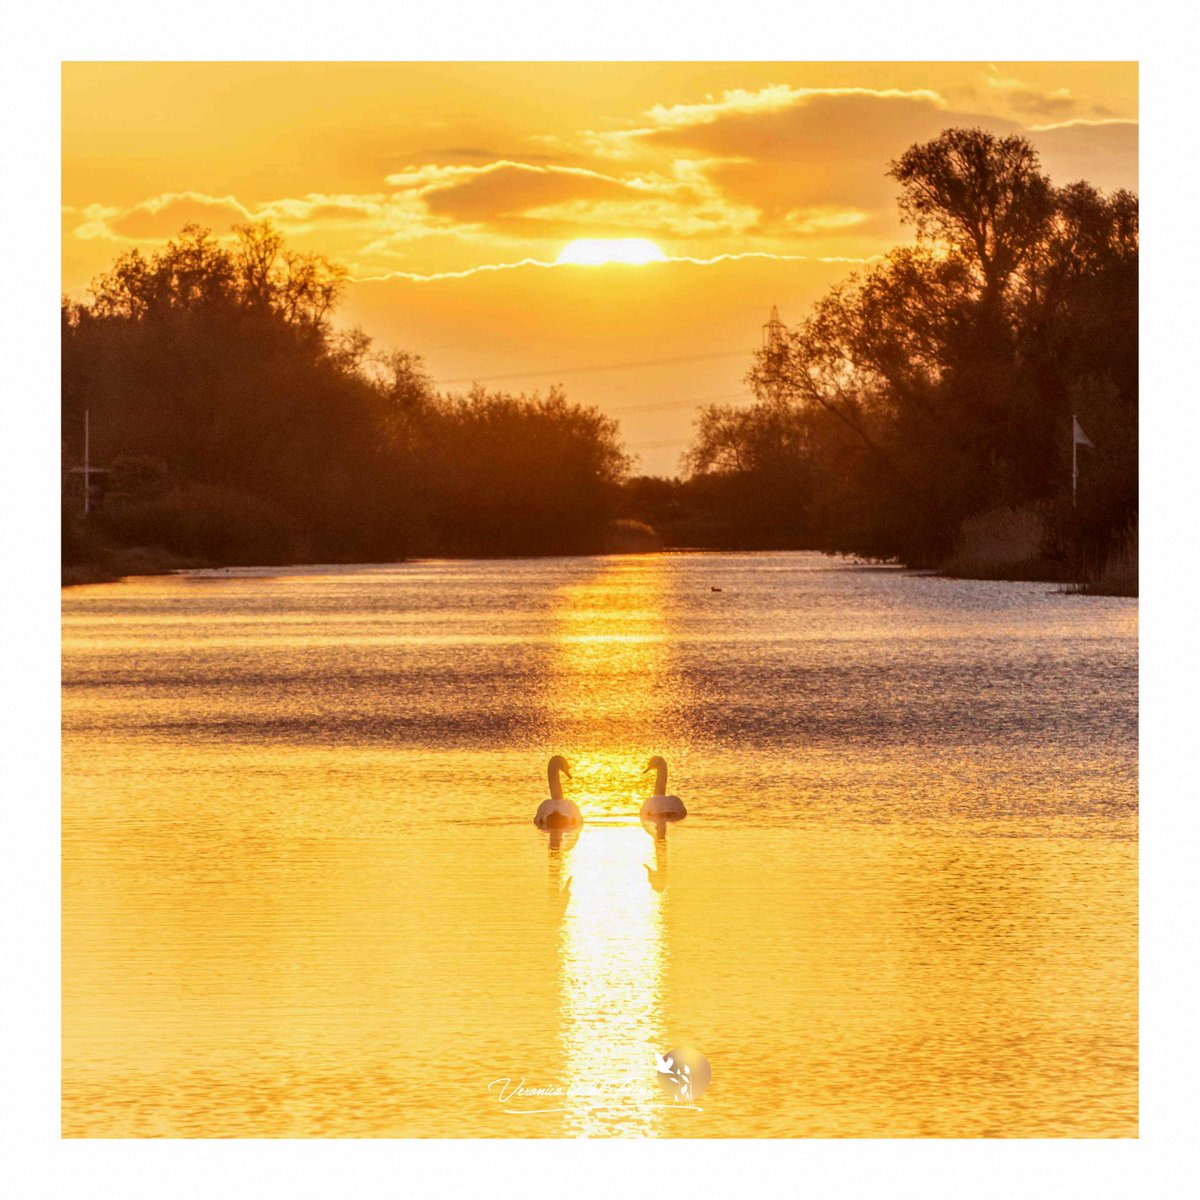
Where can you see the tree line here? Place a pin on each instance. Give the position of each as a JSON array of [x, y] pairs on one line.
[[939, 386], [237, 424]]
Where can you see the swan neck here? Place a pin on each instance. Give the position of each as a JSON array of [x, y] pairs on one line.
[[556, 791], [660, 781]]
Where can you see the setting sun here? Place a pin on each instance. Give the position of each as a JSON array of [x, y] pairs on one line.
[[596, 251]]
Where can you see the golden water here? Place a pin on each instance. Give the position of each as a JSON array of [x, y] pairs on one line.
[[303, 896]]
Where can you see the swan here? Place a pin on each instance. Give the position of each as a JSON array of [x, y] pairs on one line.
[[661, 808], [557, 813]]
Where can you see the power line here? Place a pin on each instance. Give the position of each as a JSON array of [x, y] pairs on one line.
[[631, 408], [646, 362], [657, 445]]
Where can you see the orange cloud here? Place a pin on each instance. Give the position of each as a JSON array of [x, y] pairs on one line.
[[163, 216], [506, 189], [773, 98], [713, 260]]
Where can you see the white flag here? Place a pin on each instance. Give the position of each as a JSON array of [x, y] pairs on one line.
[[1081, 438]]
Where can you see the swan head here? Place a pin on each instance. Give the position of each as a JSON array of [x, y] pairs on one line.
[[658, 765], [558, 766]]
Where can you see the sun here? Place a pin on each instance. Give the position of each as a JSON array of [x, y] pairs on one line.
[[593, 252]]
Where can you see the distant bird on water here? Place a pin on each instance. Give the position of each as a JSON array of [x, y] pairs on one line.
[[557, 813], [661, 808]]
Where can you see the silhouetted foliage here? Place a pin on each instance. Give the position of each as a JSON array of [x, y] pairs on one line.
[[238, 426], [941, 382], [526, 474]]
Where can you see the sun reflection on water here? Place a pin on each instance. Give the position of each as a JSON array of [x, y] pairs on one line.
[[612, 952], [612, 700]]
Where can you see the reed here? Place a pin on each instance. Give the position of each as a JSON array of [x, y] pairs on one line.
[[1004, 543], [1117, 574]]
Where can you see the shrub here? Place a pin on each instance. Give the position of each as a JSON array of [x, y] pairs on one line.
[[203, 521]]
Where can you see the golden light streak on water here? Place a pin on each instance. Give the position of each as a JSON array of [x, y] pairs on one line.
[[612, 963], [608, 676]]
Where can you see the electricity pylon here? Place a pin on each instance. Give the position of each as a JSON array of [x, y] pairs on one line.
[[774, 354]]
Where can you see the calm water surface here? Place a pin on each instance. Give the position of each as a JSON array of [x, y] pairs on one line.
[[303, 896]]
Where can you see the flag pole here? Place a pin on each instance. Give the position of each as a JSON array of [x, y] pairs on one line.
[[1074, 465], [87, 475]]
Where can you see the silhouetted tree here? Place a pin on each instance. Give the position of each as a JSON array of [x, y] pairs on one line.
[[521, 475], [275, 437], [941, 382]]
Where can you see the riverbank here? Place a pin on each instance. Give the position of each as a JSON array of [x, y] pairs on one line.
[[109, 564], [116, 565], [1008, 545], [1118, 580]]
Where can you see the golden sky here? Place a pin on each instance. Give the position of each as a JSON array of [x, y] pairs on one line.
[[423, 178]]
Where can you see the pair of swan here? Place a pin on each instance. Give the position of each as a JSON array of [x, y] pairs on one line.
[[559, 813]]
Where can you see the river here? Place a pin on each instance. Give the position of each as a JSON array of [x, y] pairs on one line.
[[303, 895]]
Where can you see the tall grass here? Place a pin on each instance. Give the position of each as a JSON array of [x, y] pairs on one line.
[[1117, 575], [1004, 543]]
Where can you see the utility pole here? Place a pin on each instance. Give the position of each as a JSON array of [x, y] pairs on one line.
[[87, 470]]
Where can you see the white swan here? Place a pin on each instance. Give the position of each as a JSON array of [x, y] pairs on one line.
[[557, 813], [661, 808]]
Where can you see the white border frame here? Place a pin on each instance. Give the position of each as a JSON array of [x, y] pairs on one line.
[[1163, 1162]]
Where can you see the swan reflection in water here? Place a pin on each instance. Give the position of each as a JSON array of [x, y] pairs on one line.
[[558, 885], [657, 874], [562, 820]]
